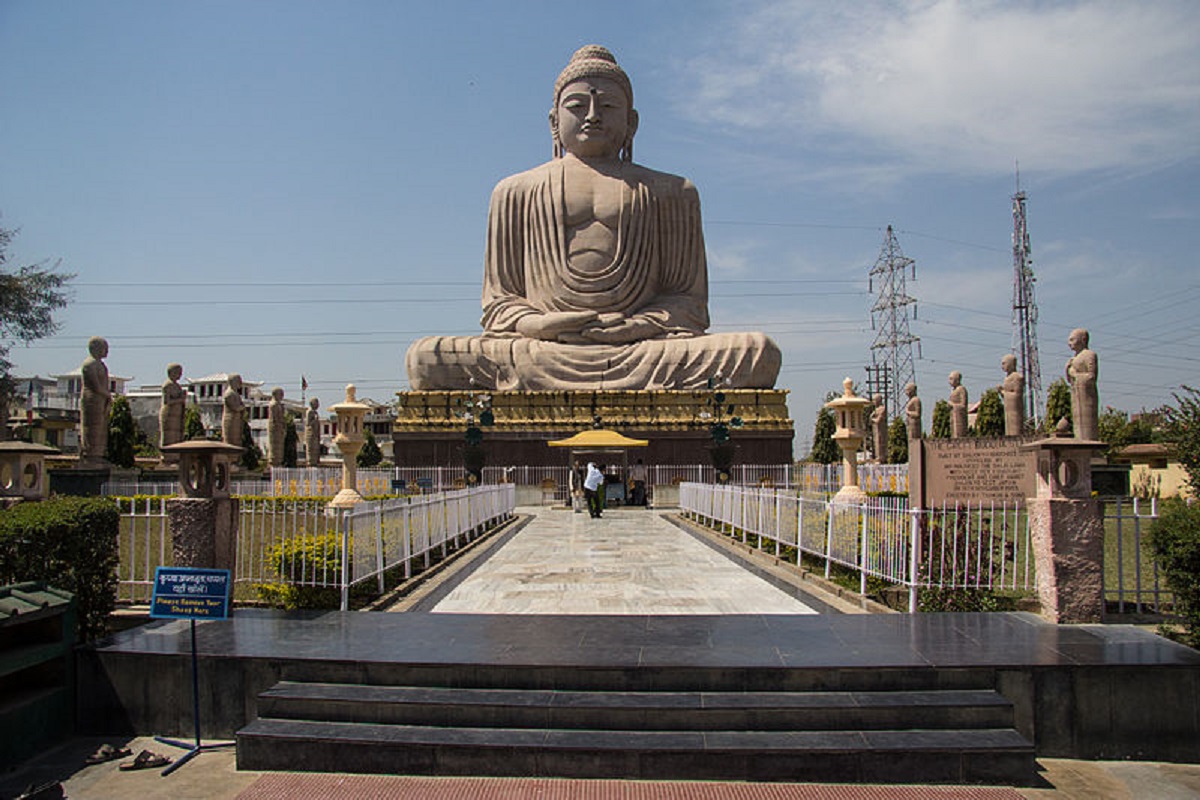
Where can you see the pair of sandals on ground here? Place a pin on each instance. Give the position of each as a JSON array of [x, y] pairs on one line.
[[143, 760]]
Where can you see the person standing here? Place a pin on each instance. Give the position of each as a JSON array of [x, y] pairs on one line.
[[592, 484], [637, 484]]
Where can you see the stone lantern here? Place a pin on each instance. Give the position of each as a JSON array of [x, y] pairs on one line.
[[349, 440], [1067, 530], [23, 470], [204, 522], [204, 466], [850, 416]]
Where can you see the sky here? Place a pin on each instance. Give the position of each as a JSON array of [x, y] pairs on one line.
[[288, 188]]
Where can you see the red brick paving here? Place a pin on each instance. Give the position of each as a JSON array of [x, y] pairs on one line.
[[289, 786]]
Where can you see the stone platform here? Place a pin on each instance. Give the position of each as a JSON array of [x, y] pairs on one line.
[[429, 429]]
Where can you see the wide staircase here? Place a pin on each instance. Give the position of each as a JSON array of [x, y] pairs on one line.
[[882, 726]]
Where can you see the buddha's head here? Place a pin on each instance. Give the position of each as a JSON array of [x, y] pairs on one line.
[[1009, 364], [174, 371], [593, 114], [955, 378]]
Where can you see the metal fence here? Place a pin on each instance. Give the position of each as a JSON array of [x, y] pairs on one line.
[[298, 543], [956, 546]]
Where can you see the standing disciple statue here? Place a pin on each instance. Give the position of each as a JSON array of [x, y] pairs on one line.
[[276, 427], [879, 428], [1013, 391], [312, 433], [912, 413], [170, 412], [235, 410], [1082, 369], [958, 406], [95, 400], [595, 267]]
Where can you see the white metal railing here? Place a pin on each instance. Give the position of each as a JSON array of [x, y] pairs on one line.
[[1138, 587], [299, 543], [377, 537], [827, 478], [956, 546]]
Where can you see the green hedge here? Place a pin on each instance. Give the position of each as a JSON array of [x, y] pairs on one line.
[[300, 563], [69, 543], [1174, 542]]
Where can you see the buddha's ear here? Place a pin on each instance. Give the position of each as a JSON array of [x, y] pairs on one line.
[[553, 116], [633, 123]]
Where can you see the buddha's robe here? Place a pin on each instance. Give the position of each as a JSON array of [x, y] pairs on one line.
[[658, 273]]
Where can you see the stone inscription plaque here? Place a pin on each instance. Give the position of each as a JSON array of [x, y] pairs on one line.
[[978, 470]]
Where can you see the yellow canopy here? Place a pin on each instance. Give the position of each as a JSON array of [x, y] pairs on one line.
[[598, 438]]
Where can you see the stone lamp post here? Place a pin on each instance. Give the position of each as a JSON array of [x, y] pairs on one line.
[[204, 522], [850, 415], [350, 414], [1067, 531], [23, 471]]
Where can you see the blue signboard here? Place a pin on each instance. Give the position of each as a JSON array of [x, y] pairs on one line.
[[190, 593]]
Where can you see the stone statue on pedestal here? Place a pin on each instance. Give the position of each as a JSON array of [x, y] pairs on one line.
[[1013, 391], [312, 433], [1082, 370], [879, 428], [595, 269], [912, 412], [276, 427], [958, 406], [170, 412], [235, 411], [95, 400]]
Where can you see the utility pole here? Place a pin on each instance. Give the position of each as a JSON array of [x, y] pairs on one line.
[[891, 352], [1025, 311]]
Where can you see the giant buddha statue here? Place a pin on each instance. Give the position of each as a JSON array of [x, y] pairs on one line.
[[595, 272]]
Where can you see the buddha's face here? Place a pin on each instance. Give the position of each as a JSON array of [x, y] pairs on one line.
[[593, 118]]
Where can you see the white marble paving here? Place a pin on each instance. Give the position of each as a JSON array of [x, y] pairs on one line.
[[631, 561]]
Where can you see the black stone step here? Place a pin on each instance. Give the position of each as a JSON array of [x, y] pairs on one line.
[[924, 756], [652, 711]]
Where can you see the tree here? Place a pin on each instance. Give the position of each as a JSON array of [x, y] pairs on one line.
[[370, 455], [291, 441], [122, 433], [193, 426], [28, 299], [989, 417], [824, 448], [1058, 404], [897, 442], [939, 426], [1182, 430], [251, 455], [1117, 430]]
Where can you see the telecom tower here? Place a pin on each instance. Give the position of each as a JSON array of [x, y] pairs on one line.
[[1024, 311], [891, 353]]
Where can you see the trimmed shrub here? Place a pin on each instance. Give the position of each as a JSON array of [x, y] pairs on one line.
[[1174, 542], [302, 563], [69, 543]]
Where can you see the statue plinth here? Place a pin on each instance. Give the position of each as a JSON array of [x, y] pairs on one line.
[[428, 429]]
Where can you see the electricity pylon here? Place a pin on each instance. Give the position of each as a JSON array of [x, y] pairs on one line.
[[891, 352]]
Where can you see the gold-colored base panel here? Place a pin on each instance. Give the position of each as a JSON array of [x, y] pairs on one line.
[[437, 411]]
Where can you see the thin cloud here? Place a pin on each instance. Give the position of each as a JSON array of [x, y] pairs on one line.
[[963, 87]]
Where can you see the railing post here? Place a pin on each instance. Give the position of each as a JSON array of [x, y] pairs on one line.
[[828, 537], [913, 559], [862, 552], [343, 525], [380, 556]]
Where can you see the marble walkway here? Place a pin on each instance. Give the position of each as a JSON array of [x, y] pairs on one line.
[[630, 561]]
